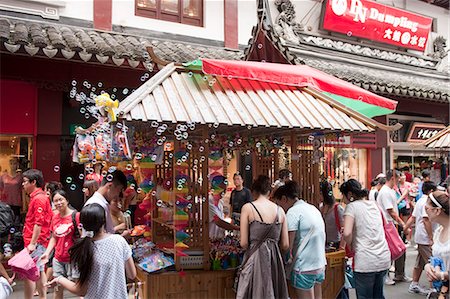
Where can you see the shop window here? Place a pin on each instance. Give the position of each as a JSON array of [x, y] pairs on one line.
[[15, 153], [15, 158], [179, 11]]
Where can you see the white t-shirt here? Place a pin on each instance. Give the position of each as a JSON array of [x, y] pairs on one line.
[[301, 217], [441, 250], [107, 280], [372, 193], [420, 235], [101, 200], [215, 232], [369, 243], [387, 199]]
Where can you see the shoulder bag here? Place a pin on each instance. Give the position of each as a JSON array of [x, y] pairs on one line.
[[395, 243], [289, 267]]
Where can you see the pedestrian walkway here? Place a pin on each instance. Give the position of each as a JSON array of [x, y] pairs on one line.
[[400, 289], [397, 291]]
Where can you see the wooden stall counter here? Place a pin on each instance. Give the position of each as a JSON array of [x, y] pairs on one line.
[[191, 284], [334, 274]]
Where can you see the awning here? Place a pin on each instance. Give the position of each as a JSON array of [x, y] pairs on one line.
[[181, 94], [439, 141], [348, 94]]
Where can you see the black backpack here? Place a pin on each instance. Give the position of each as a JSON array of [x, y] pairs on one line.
[[6, 219]]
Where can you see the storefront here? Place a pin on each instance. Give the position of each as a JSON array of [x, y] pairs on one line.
[[389, 61], [407, 152]]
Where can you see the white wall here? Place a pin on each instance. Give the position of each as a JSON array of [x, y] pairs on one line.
[[246, 20], [78, 9], [213, 21]]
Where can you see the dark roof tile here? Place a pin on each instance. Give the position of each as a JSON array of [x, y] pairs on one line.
[[72, 41], [56, 40], [19, 34], [38, 36], [4, 30], [132, 47]]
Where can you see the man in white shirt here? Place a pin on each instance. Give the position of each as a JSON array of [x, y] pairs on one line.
[[217, 223], [387, 200], [112, 187], [423, 236]]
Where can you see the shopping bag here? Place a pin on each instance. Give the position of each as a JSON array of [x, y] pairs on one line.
[[24, 265]]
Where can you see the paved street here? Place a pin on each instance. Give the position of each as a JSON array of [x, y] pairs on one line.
[[398, 291]]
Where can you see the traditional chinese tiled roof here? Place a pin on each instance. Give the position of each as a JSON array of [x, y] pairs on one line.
[[381, 71], [55, 40]]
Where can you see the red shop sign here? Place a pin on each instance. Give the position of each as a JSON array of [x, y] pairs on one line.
[[377, 22]]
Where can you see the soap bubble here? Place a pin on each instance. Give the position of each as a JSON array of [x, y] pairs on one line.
[[139, 190], [258, 144], [94, 89], [56, 168], [190, 74], [73, 187], [275, 142], [202, 159], [132, 186], [201, 148], [311, 137], [216, 125], [125, 91], [154, 157], [155, 124], [69, 180], [74, 83], [349, 33], [109, 177], [86, 115], [138, 156], [189, 206], [104, 173], [159, 202], [129, 167], [81, 176], [82, 110], [260, 46], [247, 167], [200, 180]]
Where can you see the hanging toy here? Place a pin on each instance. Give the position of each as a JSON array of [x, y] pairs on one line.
[[106, 104]]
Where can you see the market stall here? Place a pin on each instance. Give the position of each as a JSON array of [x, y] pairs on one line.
[[182, 126]]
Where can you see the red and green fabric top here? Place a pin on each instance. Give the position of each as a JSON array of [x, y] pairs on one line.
[[359, 99]]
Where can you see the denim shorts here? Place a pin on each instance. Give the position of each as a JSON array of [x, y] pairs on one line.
[[306, 281], [65, 269], [36, 255]]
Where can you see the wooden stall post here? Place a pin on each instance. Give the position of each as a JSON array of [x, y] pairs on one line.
[[294, 157], [205, 205]]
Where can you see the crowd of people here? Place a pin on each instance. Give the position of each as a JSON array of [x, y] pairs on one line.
[[286, 238]]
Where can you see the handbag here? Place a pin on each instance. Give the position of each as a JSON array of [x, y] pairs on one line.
[[348, 251], [289, 267], [395, 243], [253, 250]]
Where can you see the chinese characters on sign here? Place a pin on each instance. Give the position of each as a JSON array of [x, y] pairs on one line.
[[423, 131], [377, 22]]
